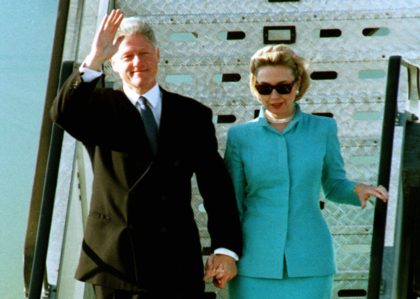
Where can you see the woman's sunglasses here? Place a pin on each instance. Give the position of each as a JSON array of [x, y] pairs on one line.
[[281, 88]]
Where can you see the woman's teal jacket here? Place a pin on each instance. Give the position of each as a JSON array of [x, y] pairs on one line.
[[278, 178]]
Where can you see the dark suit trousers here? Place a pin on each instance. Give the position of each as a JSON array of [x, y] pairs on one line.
[[108, 293]]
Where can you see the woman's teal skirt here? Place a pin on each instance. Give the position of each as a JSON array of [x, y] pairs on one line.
[[318, 287]]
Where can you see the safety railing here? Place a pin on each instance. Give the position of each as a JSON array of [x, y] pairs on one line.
[[39, 221], [391, 272]]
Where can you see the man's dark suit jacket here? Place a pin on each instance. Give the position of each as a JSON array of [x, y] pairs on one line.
[[141, 231]]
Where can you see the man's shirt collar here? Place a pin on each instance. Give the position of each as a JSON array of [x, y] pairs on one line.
[[154, 95]]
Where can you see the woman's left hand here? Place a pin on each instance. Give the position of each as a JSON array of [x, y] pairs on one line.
[[364, 192]]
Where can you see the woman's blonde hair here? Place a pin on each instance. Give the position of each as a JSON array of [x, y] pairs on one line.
[[279, 55]]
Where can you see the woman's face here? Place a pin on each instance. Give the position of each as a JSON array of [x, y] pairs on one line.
[[280, 101]]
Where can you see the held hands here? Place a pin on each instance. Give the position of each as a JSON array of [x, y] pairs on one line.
[[104, 45], [364, 192], [221, 268]]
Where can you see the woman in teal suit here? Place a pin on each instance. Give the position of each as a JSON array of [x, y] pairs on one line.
[[278, 163]]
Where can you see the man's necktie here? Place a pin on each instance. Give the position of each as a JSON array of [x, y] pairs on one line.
[[149, 122]]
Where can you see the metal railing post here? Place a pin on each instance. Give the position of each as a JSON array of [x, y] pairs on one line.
[[51, 139], [378, 235]]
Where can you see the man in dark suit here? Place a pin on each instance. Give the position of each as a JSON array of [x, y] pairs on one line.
[[141, 240]]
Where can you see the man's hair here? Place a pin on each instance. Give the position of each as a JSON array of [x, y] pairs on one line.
[[134, 25]]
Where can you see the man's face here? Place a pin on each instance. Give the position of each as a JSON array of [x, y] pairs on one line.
[[137, 63]]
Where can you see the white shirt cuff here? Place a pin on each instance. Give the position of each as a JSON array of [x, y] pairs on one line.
[[228, 252], [88, 75]]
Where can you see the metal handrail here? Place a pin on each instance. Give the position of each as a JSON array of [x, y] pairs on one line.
[[36, 242], [378, 235], [48, 159], [389, 122]]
